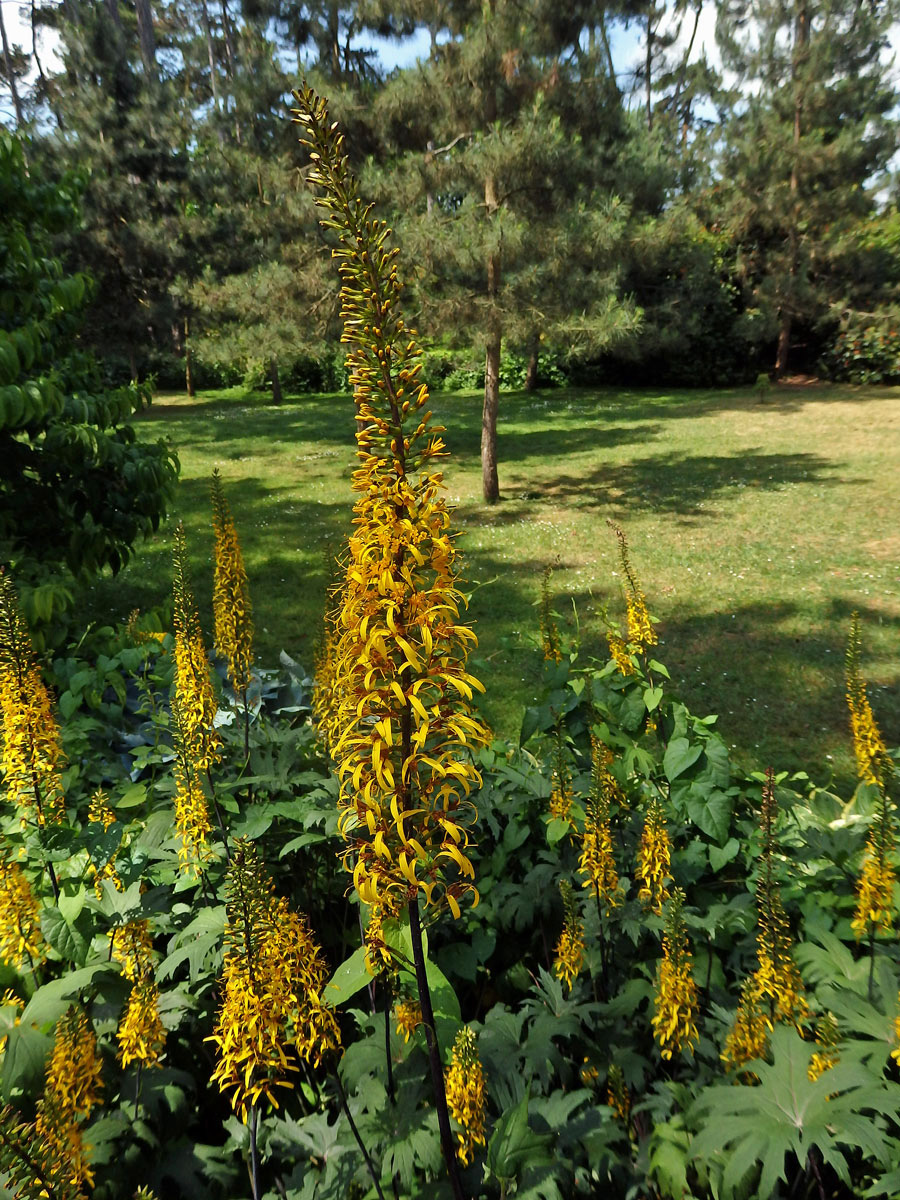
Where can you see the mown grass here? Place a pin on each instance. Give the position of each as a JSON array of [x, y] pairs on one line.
[[756, 528]]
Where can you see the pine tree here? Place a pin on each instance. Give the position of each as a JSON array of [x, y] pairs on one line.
[[808, 132]]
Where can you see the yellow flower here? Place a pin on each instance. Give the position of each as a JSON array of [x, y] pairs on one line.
[[274, 974], [378, 956], [749, 1036], [193, 685], [74, 1072], [32, 757], [828, 1039], [141, 1035], [402, 732], [191, 810], [654, 858], [569, 952], [466, 1094], [99, 811], [872, 759], [619, 653], [132, 946], [640, 632], [597, 861], [408, 1016], [874, 892], [27, 1151], [20, 920], [231, 594], [676, 999]]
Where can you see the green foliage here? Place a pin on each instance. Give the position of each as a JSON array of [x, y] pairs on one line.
[[77, 489]]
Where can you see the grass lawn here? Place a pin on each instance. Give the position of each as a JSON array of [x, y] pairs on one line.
[[756, 528]]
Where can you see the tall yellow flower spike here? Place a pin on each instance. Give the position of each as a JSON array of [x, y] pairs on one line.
[[403, 730], [676, 998], [232, 613], [272, 1009], [654, 859], [561, 793], [774, 993], [32, 756], [191, 809], [875, 890], [193, 684], [641, 634], [20, 918], [466, 1094], [597, 862], [141, 1035], [71, 1092], [569, 953], [549, 630]]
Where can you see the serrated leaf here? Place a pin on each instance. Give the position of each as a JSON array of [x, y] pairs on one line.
[[514, 1146]]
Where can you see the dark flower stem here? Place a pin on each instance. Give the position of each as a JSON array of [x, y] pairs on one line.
[[342, 1096]]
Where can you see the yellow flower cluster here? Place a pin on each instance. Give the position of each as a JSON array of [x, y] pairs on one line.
[[872, 761], [676, 996], [875, 890], [193, 685], [640, 632], [191, 809], [561, 794], [569, 952], [774, 992], [71, 1092], [9, 999], [466, 1096], [32, 756], [654, 858], [272, 1009], [620, 655], [232, 614], [402, 732], [408, 1016], [32, 1163], [20, 920], [140, 1035], [597, 862]]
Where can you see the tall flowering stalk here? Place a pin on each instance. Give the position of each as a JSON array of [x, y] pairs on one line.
[[549, 630], [191, 809], [272, 1011], [20, 918], [403, 728], [597, 862], [774, 992], [569, 954], [676, 998], [640, 634], [140, 1035], [561, 793], [875, 890], [31, 1164], [232, 613], [466, 1094], [654, 859], [32, 756], [193, 684], [71, 1092]]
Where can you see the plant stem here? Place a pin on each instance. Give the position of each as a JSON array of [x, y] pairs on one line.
[[392, 1094], [434, 1054], [254, 1153], [342, 1096], [871, 958], [218, 813]]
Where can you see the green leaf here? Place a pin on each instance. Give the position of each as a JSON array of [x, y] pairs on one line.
[[710, 810], [652, 698], [67, 939], [350, 977], [515, 1147], [557, 829], [50, 1001], [24, 1059], [680, 754], [721, 856]]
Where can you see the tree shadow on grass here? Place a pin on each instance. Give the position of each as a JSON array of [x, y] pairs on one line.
[[685, 485]]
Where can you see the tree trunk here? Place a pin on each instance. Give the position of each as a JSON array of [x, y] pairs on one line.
[[801, 43], [10, 74], [277, 396], [648, 68], [531, 371], [145, 36], [490, 484], [188, 362], [210, 54]]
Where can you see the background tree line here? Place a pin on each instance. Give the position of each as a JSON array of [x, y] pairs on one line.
[[584, 193]]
